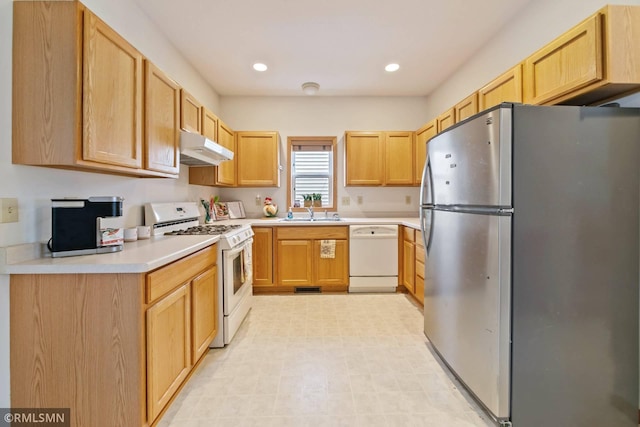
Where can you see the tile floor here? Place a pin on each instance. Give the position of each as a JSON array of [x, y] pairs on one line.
[[325, 360]]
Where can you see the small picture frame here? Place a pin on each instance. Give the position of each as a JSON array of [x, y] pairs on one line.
[[221, 211]]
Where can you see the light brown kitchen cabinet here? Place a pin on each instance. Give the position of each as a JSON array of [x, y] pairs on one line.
[[209, 124], [204, 321], [364, 158], [132, 337], [293, 261], [505, 88], [223, 175], [65, 112], [262, 258], [419, 268], [379, 158], [258, 158], [190, 113], [298, 261], [466, 108], [595, 60], [226, 171], [424, 134], [399, 158], [331, 271], [168, 348], [408, 259], [446, 119], [162, 121]]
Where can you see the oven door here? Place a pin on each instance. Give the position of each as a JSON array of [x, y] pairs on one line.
[[237, 275]]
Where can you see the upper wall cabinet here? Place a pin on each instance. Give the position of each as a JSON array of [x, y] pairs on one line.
[[506, 88], [258, 158], [424, 134], [162, 121], [595, 60], [65, 114], [223, 175], [446, 119], [466, 108], [190, 113], [379, 158]]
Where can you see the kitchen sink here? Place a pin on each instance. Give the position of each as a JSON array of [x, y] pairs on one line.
[[310, 219]]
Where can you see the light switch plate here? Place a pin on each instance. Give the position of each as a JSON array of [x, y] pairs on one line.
[[359, 200], [8, 210], [407, 200], [346, 201]]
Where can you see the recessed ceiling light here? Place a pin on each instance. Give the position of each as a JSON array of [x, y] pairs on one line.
[[259, 66], [392, 67]]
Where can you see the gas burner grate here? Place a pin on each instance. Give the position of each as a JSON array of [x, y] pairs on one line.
[[207, 229]]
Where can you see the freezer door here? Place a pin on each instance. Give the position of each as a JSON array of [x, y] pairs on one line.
[[467, 301], [470, 164]]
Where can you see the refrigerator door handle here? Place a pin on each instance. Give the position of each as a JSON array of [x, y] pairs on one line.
[[426, 238], [426, 185]]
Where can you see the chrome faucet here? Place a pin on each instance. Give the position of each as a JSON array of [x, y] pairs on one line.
[[310, 209]]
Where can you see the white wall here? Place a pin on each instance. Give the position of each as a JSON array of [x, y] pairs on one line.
[[327, 116], [34, 186], [538, 24]]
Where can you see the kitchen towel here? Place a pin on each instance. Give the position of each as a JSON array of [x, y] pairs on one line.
[[327, 249]]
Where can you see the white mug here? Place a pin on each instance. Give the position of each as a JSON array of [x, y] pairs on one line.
[[130, 234], [144, 231]]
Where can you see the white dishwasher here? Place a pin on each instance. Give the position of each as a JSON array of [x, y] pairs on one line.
[[373, 258]]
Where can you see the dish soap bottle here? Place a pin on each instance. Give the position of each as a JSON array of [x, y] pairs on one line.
[[290, 213]]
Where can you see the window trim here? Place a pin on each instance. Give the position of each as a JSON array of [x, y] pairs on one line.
[[313, 140]]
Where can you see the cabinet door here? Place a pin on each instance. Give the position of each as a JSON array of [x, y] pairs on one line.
[[364, 158], [258, 159], [466, 108], [190, 116], [506, 88], [331, 271], [568, 63], [293, 265], [262, 256], [446, 119], [112, 97], [209, 124], [204, 305], [162, 121], [398, 158], [423, 135], [408, 265], [168, 348], [226, 171]]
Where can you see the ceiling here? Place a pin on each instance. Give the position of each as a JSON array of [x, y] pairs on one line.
[[343, 45]]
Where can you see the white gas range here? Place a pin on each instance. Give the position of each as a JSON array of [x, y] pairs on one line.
[[235, 271]]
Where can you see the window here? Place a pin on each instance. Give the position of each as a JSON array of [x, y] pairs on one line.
[[312, 171]]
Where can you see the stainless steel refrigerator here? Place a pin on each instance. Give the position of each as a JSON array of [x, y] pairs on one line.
[[530, 218]]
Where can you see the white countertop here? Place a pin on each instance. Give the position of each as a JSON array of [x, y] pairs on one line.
[[145, 255]]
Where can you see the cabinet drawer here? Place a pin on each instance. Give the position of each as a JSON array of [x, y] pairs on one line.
[[171, 276], [312, 232], [409, 234]]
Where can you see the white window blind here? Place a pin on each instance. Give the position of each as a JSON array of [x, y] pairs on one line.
[[312, 172]]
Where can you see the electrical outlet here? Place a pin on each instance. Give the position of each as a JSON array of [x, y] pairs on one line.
[[407, 200], [346, 201], [359, 200], [258, 200], [8, 210]]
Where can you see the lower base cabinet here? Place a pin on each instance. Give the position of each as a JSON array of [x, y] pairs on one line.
[[168, 348], [412, 262], [114, 348], [299, 262]]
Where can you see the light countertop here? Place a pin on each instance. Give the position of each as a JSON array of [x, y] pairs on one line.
[[146, 255]]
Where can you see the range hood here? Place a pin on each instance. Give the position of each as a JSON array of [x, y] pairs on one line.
[[198, 150]]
